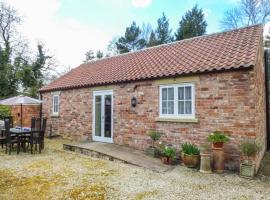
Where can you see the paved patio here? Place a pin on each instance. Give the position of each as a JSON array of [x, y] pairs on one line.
[[120, 153]]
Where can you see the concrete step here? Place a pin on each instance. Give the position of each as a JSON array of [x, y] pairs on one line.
[[118, 153]]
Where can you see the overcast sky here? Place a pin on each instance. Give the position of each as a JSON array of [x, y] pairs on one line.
[[71, 27]]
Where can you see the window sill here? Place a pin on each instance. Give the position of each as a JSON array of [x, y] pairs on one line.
[[54, 116], [183, 120]]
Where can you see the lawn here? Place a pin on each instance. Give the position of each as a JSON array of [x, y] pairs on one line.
[[56, 174]]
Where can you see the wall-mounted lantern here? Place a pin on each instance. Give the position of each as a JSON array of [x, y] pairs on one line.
[[133, 102]]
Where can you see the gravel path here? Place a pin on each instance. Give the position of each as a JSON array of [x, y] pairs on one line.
[[56, 174]]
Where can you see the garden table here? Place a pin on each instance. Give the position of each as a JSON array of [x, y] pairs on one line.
[[19, 131]]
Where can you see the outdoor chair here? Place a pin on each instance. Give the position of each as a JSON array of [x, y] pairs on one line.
[[11, 139], [2, 135], [37, 136], [10, 118], [25, 138]]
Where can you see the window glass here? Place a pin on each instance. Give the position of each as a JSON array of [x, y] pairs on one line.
[[170, 107], [164, 107], [181, 93], [188, 107], [181, 107], [188, 93], [55, 104], [164, 93], [170, 93]]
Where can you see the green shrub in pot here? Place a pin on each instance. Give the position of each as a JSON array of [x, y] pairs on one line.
[[168, 155], [190, 155], [248, 148], [155, 136], [218, 138]]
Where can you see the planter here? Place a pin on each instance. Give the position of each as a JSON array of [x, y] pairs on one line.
[[150, 151], [166, 160], [218, 160], [205, 166], [247, 170], [153, 152], [218, 145], [190, 160]]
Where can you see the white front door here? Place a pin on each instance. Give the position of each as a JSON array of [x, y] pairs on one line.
[[103, 116]]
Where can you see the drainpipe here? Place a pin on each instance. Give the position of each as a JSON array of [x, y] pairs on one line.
[[266, 62], [40, 107]]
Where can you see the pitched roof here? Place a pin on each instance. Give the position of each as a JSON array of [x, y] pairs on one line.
[[219, 51]]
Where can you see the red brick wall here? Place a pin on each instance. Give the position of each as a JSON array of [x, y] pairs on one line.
[[260, 118], [28, 111], [224, 101]]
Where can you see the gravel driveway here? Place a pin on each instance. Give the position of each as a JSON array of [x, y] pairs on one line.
[[56, 174]]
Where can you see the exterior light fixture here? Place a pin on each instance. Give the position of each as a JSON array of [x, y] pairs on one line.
[[133, 102]]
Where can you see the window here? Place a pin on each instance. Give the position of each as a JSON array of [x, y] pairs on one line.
[[55, 105], [177, 101]]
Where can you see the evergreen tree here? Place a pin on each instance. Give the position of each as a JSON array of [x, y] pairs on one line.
[[89, 55], [152, 40], [267, 41], [31, 74], [163, 31], [132, 40], [99, 54], [192, 24]]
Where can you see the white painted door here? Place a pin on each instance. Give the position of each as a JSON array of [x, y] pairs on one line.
[[103, 116]]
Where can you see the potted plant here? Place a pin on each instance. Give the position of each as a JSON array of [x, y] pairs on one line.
[[168, 155], [248, 149], [205, 164], [218, 138], [155, 136], [190, 155]]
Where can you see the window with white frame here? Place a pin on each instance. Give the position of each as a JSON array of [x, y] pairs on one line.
[[55, 104], [177, 101]]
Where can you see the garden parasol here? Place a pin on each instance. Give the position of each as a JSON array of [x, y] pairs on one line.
[[20, 101]]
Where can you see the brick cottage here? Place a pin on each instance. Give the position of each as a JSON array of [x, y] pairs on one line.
[[186, 89]]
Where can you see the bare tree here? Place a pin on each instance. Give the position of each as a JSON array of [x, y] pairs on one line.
[[248, 12], [9, 19], [112, 48]]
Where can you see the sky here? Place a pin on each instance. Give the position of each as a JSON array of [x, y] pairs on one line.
[[69, 28]]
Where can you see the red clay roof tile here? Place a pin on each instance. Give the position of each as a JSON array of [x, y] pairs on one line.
[[219, 51]]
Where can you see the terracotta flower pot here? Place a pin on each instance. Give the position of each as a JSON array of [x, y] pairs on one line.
[[218, 145], [190, 160], [166, 160], [205, 164], [218, 160]]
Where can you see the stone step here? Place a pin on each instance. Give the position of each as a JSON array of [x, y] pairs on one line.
[[118, 153]]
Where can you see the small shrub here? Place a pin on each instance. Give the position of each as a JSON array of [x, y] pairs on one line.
[[169, 152], [218, 136], [5, 111], [249, 148], [190, 149], [155, 136]]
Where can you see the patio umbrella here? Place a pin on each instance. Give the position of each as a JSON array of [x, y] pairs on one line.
[[20, 101]]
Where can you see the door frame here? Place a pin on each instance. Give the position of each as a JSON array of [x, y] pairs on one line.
[[102, 138]]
